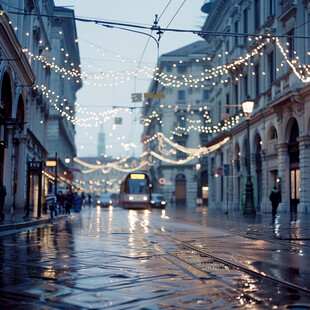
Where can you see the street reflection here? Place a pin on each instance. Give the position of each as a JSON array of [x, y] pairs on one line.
[[163, 215], [98, 219], [146, 221], [110, 223], [132, 219]]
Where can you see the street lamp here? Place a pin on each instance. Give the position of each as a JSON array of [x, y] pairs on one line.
[[67, 160], [247, 107]]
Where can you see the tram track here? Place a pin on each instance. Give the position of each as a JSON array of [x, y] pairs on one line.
[[232, 265], [277, 240]]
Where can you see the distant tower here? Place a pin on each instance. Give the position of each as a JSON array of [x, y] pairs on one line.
[[101, 142]]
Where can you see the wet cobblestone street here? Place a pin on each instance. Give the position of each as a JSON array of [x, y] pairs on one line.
[[120, 259]]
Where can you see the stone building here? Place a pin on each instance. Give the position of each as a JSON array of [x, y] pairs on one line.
[[28, 46], [180, 117], [270, 65]]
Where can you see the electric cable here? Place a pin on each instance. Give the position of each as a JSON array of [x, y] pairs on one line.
[[197, 32], [178, 10]]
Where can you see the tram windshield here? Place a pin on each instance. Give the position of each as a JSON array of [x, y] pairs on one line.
[[138, 186]]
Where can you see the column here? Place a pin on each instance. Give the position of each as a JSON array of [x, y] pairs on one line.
[[284, 175], [243, 179], [7, 172], [21, 175], [265, 206], [304, 165]]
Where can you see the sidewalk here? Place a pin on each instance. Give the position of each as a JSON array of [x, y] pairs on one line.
[[16, 220], [262, 224]]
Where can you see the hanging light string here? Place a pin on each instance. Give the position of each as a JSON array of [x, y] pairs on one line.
[[170, 80], [193, 153], [276, 37], [85, 164]]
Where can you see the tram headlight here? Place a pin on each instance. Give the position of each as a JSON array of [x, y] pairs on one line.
[[130, 198], [145, 198], [152, 202], [98, 201], [163, 202]]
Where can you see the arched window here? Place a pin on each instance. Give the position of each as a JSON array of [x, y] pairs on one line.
[[272, 140], [273, 135]]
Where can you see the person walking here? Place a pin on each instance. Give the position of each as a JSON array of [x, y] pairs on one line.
[[51, 201], [275, 198], [77, 202], [68, 202], [61, 202], [2, 199]]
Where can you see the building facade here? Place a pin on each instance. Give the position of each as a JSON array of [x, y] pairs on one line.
[[27, 103], [260, 51], [180, 117]]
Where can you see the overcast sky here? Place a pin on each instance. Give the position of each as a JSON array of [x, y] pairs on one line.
[[104, 49]]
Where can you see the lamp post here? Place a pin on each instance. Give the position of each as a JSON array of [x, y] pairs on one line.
[[56, 176], [247, 107]]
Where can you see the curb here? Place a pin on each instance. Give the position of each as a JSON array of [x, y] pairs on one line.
[[30, 223]]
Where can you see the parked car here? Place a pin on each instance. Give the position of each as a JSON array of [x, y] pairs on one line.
[[157, 200], [105, 200]]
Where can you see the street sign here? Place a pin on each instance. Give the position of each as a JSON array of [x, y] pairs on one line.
[[219, 170], [154, 96], [50, 163], [136, 97], [35, 166], [162, 181], [118, 121]]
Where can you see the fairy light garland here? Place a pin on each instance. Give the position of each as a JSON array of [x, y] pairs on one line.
[[190, 81], [193, 153]]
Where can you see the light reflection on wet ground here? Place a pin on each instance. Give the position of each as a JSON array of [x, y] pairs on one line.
[[104, 258]]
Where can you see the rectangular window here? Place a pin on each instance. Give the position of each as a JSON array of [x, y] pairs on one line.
[[245, 25], [205, 94], [180, 154], [270, 7], [291, 43], [257, 14], [182, 121], [271, 68], [227, 103], [169, 68], [236, 97], [236, 32], [181, 69], [245, 86], [181, 95], [257, 79]]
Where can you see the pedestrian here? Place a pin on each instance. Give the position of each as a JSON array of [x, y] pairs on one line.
[[2, 199], [89, 199], [77, 202], [61, 202], [275, 198], [68, 202], [51, 201]]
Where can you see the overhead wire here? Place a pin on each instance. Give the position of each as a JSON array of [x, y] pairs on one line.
[[176, 13], [197, 32]]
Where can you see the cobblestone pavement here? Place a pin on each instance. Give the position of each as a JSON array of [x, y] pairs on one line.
[[120, 259]]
